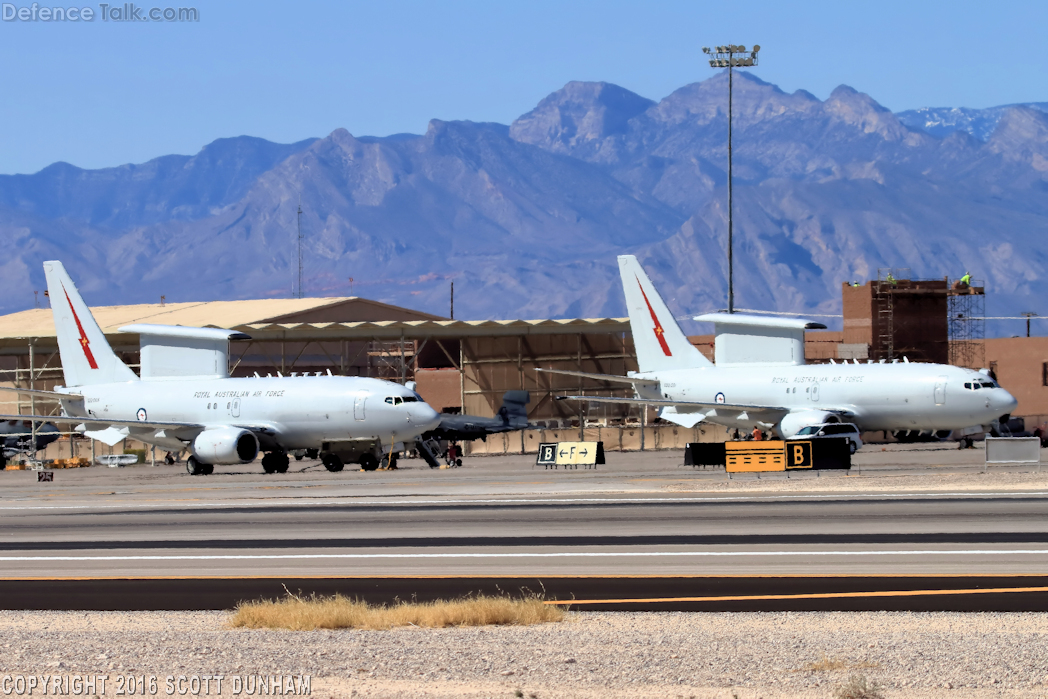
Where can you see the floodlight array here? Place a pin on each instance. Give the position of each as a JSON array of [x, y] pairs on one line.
[[729, 56]]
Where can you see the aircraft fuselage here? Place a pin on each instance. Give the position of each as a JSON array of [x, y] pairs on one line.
[[899, 396], [300, 412]]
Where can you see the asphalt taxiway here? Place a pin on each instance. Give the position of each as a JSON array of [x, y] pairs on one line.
[[896, 527]]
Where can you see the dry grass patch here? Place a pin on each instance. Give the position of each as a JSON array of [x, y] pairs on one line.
[[858, 687], [338, 612]]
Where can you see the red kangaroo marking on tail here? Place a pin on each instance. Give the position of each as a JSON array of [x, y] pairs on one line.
[[659, 332], [84, 342]]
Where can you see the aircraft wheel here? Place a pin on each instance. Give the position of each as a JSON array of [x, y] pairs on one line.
[[458, 462], [282, 463], [208, 469], [268, 463], [332, 462], [299, 457], [368, 462], [194, 467], [312, 453]]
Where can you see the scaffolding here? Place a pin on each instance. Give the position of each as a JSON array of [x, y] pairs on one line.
[[884, 303], [967, 323]]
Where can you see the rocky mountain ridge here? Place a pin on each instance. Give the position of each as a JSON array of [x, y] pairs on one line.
[[527, 218]]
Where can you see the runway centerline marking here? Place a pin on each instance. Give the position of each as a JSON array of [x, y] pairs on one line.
[[402, 500], [810, 595], [551, 554]]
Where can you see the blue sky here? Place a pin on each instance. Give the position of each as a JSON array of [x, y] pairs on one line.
[[104, 93]]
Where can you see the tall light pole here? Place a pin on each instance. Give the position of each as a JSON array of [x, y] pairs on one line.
[[300, 250], [730, 57]]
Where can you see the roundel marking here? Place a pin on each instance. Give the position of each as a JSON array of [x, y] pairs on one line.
[[719, 398], [141, 414]]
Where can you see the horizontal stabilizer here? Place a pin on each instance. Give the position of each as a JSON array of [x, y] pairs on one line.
[[45, 394], [636, 381]]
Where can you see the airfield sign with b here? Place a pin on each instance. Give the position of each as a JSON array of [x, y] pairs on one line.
[[798, 455], [553, 454]]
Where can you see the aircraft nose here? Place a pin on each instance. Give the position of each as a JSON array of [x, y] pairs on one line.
[[1004, 401], [426, 416]]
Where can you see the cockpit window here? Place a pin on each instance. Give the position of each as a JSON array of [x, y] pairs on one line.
[[410, 399], [394, 400], [987, 384]]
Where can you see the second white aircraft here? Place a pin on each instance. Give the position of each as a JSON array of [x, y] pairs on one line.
[[760, 378]]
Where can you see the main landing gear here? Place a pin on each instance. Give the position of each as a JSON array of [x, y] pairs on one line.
[[195, 468], [275, 462]]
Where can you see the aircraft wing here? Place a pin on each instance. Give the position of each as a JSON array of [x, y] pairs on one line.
[[681, 406], [48, 394], [603, 377], [92, 420]]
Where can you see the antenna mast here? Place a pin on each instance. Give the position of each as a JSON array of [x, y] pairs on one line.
[[300, 250]]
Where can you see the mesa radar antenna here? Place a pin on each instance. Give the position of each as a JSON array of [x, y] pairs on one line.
[[731, 56]]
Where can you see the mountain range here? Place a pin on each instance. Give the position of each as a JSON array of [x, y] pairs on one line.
[[527, 218]]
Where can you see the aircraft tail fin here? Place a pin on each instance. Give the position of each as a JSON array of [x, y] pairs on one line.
[[514, 410], [659, 341], [87, 357]]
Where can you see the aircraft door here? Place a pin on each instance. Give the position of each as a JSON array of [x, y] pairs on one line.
[[940, 391], [814, 393], [235, 409], [358, 407]]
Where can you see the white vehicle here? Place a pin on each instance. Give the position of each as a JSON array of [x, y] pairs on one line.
[[185, 398], [833, 430], [760, 378]]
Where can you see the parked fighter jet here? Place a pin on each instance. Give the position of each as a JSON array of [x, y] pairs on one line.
[[16, 437], [512, 416], [760, 378], [185, 398]]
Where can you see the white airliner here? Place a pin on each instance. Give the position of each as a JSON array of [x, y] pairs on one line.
[[185, 398], [760, 379]]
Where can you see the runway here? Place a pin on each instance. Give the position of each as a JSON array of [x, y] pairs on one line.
[[625, 534]]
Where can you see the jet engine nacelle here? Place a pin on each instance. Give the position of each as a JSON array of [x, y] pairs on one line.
[[795, 422], [225, 445]]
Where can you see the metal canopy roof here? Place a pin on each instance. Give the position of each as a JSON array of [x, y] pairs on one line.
[[413, 329], [256, 318]]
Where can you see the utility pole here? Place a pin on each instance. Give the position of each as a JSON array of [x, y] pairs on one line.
[[1028, 314], [300, 250], [453, 299], [725, 57]]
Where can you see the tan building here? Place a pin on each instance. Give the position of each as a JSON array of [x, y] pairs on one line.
[[1021, 366]]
